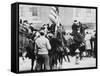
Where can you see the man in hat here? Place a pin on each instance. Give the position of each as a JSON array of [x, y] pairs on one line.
[[43, 45]]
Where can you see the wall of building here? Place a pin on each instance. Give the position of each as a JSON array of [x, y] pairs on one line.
[[67, 15]]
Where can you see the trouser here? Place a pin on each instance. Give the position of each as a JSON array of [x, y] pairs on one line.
[[89, 51], [42, 59], [53, 60]]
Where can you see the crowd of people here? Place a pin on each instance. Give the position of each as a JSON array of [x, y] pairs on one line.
[[49, 47]]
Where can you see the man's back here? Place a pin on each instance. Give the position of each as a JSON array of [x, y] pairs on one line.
[[43, 45]]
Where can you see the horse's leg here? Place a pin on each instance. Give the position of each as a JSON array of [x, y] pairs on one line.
[[80, 55], [68, 58], [81, 52], [65, 58], [61, 62], [23, 55], [32, 64], [55, 60], [58, 61]]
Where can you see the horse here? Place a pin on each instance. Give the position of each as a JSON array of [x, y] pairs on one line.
[[78, 34], [59, 49], [62, 48], [56, 53], [27, 46]]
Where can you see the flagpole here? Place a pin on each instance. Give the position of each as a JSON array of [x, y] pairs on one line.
[[54, 18], [57, 21]]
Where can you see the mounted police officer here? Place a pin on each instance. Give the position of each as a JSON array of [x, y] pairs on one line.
[[78, 39]]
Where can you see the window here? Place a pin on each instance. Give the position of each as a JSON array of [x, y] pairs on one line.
[[34, 11]]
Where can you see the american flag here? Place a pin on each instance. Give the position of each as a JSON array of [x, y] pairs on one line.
[[54, 16]]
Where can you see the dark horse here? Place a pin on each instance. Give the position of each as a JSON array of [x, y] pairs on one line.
[[58, 51], [62, 51], [78, 33], [27, 45]]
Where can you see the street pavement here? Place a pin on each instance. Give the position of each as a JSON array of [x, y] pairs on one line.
[[85, 62], [25, 65]]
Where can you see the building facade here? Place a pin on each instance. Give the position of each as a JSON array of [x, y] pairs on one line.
[[39, 15]]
